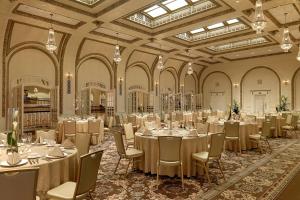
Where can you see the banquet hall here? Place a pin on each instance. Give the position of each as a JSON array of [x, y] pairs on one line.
[[150, 99]]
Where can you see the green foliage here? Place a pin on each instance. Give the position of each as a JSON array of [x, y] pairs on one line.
[[235, 107], [283, 106]]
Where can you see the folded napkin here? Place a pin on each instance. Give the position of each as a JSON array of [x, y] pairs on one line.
[[13, 158], [193, 132], [67, 143], [56, 152]]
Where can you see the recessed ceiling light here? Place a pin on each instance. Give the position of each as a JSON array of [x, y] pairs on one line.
[[237, 1], [198, 30], [155, 11], [232, 21], [215, 26], [175, 4]]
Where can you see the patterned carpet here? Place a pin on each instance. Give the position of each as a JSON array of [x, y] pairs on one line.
[[248, 176]]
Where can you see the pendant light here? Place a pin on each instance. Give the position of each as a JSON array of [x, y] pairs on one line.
[[259, 22], [117, 55], [190, 70], [286, 43], [51, 44], [160, 63]]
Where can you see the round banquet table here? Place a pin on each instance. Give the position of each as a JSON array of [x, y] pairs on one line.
[[190, 145], [52, 172], [246, 129]]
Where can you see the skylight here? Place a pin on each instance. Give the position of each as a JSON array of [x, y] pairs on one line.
[[174, 4], [232, 21], [218, 25], [155, 11], [194, 1], [88, 2], [197, 30]]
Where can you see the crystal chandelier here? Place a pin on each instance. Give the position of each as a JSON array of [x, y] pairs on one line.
[[259, 20], [117, 55], [51, 44], [160, 63], [298, 56], [190, 70], [286, 43]]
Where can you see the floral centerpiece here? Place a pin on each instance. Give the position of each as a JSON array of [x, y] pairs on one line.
[[235, 110], [283, 106], [12, 135]]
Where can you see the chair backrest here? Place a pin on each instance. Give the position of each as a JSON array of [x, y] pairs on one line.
[[266, 129], [179, 116], [284, 115], [232, 129], [94, 126], [82, 143], [18, 184], [118, 120], [169, 148], [273, 121], [110, 121], [216, 145], [69, 127], [87, 173], [124, 118], [128, 131], [131, 119], [289, 119], [48, 135], [202, 128], [119, 143], [294, 120]]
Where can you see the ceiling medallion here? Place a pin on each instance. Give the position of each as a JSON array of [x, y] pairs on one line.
[[286, 43], [117, 55], [51, 44], [259, 20]]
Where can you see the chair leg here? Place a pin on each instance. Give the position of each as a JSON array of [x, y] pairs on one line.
[[240, 146], [181, 168], [128, 166], [206, 172], [269, 145], [259, 146], [157, 175], [220, 166], [117, 165]]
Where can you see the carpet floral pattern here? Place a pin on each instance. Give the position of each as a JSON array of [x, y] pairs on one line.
[[248, 176]]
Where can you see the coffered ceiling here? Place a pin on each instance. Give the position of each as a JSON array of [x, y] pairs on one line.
[[214, 30]]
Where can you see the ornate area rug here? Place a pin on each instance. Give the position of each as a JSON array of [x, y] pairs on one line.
[[248, 176]]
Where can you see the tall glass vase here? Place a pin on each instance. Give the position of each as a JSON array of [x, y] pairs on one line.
[[13, 129]]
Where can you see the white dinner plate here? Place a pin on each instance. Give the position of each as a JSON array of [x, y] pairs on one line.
[[55, 157], [4, 163]]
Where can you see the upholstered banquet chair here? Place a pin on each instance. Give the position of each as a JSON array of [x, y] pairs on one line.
[[94, 131], [82, 143], [86, 179], [263, 136], [213, 154], [42, 135], [129, 154], [232, 133], [202, 128], [291, 125], [69, 129], [129, 135], [169, 154], [19, 184]]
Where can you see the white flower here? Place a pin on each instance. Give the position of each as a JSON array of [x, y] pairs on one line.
[[15, 115], [15, 125]]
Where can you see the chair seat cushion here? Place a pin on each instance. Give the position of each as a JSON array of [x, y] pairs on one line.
[[168, 163], [287, 127], [130, 142], [133, 153], [255, 136], [64, 191], [201, 156]]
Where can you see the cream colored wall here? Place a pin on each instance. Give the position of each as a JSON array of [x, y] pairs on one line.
[[167, 81], [136, 76], [189, 84], [284, 65], [93, 70], [216, 91], [297, 90]]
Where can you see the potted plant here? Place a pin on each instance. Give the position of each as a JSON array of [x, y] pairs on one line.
[[283, 105]]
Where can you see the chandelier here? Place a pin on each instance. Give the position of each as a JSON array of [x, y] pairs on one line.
[[298, 56], [286, 43], [190, 70], [51, 44], [117, 55], [160, 63], [259, 22]]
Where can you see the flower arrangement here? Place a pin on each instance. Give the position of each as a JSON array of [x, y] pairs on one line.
[[235, 107], [12, 135]]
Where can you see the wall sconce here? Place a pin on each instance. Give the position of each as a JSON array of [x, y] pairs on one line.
[[235, 85], [156, 88], [120, 86], [69, 77], [285, 82]]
